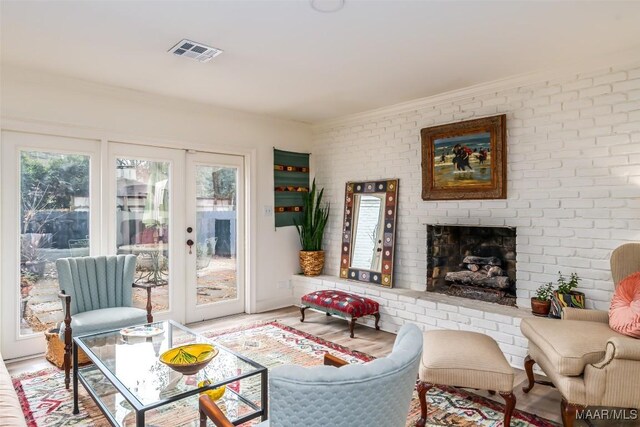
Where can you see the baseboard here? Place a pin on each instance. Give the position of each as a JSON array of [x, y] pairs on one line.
[[273, 304]]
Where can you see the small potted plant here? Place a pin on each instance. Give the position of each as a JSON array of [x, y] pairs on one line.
[[565, 296], [541, 303], [311, 230], [31, 257]]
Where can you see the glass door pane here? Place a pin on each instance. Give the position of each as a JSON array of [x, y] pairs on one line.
[[216, 236], [142, 224], [53, 223], [215, 224]]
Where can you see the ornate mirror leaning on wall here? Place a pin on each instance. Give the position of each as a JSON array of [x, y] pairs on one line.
[[368, 233]]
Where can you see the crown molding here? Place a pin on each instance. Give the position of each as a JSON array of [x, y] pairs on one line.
[[618, 59]]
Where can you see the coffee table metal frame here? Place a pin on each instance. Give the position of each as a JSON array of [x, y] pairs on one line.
[[140, 409]]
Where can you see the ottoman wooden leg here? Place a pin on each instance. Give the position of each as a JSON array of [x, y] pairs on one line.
[[377, 316], [302, 309], [510, 404], [352, 325], [423, 388]]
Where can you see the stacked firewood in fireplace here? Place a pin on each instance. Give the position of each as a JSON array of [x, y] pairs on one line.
[[480, 278]]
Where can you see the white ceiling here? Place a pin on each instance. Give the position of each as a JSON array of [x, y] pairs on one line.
[[284, 59]]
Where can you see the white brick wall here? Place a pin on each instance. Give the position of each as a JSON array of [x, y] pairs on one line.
[[431, 311], [573, 176]]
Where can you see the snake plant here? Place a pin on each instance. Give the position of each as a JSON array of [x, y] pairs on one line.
[[314, 219]]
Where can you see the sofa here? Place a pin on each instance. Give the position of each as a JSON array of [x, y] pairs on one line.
[[9, 404]]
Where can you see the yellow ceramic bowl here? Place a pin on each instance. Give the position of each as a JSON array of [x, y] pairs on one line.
[[215, 393], [189, 359]]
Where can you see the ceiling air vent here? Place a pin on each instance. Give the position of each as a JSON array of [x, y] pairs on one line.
[[193, 50]]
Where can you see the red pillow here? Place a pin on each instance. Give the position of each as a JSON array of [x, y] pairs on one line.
[[624, 314]]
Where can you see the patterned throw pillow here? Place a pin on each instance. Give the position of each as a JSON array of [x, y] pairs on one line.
[[624, 314], [573, 299]]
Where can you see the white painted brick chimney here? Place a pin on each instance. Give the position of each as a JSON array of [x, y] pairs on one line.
[[573, 174]]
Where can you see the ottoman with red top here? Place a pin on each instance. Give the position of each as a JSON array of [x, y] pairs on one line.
[[342, 304]]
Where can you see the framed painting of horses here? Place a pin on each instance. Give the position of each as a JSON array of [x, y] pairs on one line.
[[465, 160]]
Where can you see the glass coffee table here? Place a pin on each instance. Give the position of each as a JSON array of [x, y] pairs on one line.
[[132, 387]]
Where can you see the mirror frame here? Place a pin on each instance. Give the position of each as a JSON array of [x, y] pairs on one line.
[[390, 188]]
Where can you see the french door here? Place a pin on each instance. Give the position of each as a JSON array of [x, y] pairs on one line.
[[215, 236], [50, 209], [146, 217], [66, 197]]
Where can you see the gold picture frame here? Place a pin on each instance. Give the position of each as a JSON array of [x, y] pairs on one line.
[[466, 160]]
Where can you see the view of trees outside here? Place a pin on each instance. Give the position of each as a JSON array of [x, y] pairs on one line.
[[54, 223], [217, 183]]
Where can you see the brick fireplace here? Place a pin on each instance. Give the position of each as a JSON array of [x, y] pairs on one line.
[[472, 262]]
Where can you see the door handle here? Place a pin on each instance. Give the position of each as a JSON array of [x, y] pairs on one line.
[[190, 244]]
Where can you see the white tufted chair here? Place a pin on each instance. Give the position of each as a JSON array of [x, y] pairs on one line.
[[376, 393]]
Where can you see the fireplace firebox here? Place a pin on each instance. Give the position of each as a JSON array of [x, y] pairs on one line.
[[472, 262]]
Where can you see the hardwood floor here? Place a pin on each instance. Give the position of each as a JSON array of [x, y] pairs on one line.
[[542, 401]]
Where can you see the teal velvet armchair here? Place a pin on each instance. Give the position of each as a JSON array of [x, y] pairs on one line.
[[376, 393], [97, 296]]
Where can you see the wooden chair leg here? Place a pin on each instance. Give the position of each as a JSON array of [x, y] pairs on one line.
[[67, 363], [423, 388], [528, 367], [568, 413], [67, 338], [203, 419], [208, 409], [302, 309], [510, 404], [67, 354], [377, 316], [149, 306], [352, 325]]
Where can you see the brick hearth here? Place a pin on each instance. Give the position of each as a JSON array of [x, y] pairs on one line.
[[431, 311]]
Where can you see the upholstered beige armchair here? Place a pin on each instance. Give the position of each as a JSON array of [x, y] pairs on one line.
[[588, 362]]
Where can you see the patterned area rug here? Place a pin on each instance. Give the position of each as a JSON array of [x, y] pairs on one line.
[[45, 402]]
